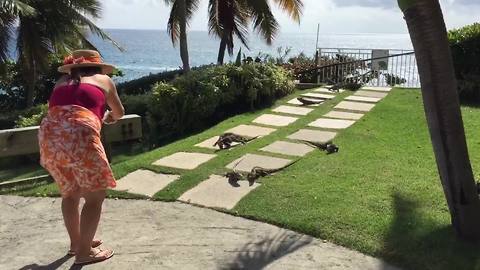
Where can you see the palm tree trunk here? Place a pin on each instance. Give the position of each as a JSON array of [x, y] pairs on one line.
[[30, 81], [221, 51], [183, 35], [442, 108]]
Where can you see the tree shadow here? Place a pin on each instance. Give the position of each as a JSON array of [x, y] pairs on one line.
[[51, 266], [257, 255], [416, 241]]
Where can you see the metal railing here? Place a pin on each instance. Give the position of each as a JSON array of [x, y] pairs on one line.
[[372, 67]]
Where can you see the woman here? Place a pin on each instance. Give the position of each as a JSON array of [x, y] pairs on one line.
[[71, 150]]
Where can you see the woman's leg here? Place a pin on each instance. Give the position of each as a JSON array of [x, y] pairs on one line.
[[71, 217], [89, 222]]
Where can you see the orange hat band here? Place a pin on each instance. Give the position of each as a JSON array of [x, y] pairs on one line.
[[71, 60]]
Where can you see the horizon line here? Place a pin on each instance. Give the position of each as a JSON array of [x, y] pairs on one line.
[[286, 32]]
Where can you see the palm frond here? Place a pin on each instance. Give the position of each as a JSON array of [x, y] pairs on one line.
[[7, 23], [32, 45], [91, 7], [263, 20], [173, 25], [293, 7], [16, 8], [229, 18]]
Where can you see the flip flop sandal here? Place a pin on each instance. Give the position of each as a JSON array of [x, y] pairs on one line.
[[94, 259], [95, 243]]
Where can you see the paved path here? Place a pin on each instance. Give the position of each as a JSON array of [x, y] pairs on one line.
[[158, 235]]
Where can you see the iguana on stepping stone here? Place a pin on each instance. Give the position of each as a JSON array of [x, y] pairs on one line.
[[258, 172], [234, 176], [307, 102], [226, 139], [328, 147]]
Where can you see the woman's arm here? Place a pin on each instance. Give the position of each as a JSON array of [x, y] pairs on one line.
[[113, 101]]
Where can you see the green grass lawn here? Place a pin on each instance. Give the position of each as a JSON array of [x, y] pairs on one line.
[[379, 195]]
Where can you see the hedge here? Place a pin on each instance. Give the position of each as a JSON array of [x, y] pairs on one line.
[[465, 47]]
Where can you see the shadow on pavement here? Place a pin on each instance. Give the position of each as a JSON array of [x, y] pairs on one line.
[[256, 256], [51, 266]]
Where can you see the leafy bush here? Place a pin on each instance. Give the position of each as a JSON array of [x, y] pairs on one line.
[[144, 84], [136, 104], [465, 47], [204, 96], [32, 116]]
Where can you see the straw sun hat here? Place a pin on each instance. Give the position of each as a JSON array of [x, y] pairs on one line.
[[85, 58]]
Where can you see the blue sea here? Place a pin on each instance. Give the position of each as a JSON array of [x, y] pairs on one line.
[[151, 51]]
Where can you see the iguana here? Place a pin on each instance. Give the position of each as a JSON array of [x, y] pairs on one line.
[[328, 147], [234, 177], [353, 86], [307, 102], [258, 172], [225, 140]]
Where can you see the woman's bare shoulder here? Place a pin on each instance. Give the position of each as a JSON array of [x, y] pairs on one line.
[[103, 81]]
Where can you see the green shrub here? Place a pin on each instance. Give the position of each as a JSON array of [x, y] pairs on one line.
[[136, 104], [32, 116], [204, 96], [144, 84], [465, 47]]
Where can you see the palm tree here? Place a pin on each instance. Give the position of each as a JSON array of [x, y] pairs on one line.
[[442, 108], [229, 18], [46, 27], [181, 12]]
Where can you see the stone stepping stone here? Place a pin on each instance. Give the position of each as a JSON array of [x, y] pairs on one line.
[[344, 115], [364, 93], [326, 91], [248, 161], [376, 88], [363, 99], [209, 143], [354, 106], [315, 136], [288, 148], [275, 120], [184, 160], [251, 131], [318, 96], [144, 182], [331, 123], [296, 102], [292, 110], [217, 192]]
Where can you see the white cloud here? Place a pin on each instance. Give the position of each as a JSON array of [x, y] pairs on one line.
[[334, 16]]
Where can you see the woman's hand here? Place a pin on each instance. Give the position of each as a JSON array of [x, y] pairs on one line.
[[108, 118]]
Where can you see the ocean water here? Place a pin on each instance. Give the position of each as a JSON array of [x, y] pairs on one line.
[[151, 51]]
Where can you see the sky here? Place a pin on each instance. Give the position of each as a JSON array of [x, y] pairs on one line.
[[334, 16]]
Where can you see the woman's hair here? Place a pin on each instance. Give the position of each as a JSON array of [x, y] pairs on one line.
[[77, 73]]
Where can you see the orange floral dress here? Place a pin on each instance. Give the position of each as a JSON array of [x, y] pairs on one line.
[[72, 152]]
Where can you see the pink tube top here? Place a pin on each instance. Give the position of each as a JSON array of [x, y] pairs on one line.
[[86, 95]]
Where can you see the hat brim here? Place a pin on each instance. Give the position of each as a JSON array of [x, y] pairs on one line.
[[106, 68]]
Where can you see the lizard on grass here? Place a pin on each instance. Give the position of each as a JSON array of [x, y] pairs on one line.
[[258, 172], [328, 147], [226, 139]]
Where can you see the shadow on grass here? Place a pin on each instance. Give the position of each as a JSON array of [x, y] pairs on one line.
[[415, 242], [256, 256]]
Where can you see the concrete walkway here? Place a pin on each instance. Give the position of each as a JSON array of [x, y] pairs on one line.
[[158, 235]]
